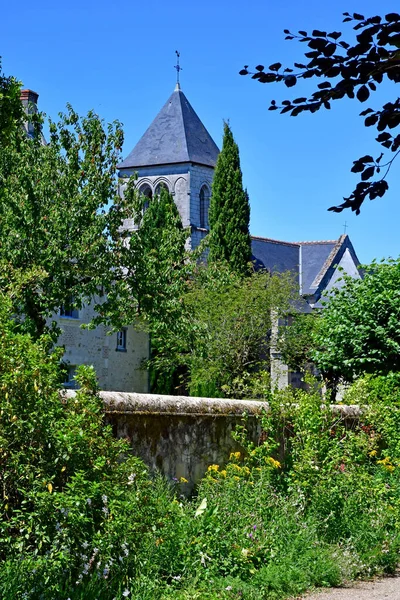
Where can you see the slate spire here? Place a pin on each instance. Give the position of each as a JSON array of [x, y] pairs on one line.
[[176, 135]]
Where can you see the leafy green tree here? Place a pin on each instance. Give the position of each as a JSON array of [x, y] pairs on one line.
[[296, 339], [11, 111], [353, 71], [229, 213], [150, 273], [359, 328], [56, 229], [231, 316]]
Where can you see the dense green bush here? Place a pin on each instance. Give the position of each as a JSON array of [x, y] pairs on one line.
[[317, 502]]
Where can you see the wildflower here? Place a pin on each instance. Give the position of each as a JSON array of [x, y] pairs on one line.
[[89, 501], [64, 512], [105, 510], [104, 498], [85, 545], [254, 527], [223, 473], [213, 468], [125, 593], [183, 480], [234, 456], [236, 478], [159, 541], [274, 463], [372, 453], [131, 478], [228, 588], [106, 572]]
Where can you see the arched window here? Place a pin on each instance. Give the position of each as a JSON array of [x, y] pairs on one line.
[[161, 186], [204, 206], [145, 190]]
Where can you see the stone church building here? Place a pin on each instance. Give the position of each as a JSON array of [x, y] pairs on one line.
[[176, 151]]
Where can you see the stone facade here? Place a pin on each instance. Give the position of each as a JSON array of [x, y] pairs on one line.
[[117, 360], [190, 186]]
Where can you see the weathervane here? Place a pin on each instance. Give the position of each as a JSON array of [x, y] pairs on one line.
[[177, 66]]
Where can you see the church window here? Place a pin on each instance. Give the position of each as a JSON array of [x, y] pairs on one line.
[[161, 186], [145, 190], [69, 311], [70, 382], [204, 206], [121, 340]]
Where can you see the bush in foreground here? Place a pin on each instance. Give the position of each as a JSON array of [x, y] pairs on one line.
[[317, 502]]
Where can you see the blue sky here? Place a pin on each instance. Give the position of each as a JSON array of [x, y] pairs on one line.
[[118, 59]]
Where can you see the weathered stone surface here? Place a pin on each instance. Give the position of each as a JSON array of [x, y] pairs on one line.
[[182, 436]]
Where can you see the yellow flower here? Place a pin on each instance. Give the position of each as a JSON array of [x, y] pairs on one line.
[[373, 453], [183, 480], [213, 468], [236, 478], [246, 470], [235, 456], [274, 463], [223, 473]]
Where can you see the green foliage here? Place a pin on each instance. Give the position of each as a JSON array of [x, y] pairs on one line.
[[296, 339], [55, 224], [10, 108], [226, 351], [229, 214], [314, 503], [359, 331], [352, 71]]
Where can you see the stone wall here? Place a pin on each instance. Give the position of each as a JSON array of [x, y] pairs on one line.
[[181, 436], [117, 370]]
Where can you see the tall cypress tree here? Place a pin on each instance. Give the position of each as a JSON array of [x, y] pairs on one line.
[[229, 210]]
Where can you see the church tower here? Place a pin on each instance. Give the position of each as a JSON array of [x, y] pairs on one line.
[[177, 152]]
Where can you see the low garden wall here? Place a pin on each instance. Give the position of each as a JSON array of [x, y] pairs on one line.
[[182, 436]]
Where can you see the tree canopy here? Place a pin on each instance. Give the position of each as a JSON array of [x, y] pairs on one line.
[[359, 329], [229, 216], [56, 228], [354, 71]]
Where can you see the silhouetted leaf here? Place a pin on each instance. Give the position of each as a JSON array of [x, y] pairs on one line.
[[392, 17], [368, 173], [371, 120], [363, 93], [290, 80], [275, 67], [260, 68]]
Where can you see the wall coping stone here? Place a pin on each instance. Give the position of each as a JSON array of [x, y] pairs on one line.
[[157, 404]]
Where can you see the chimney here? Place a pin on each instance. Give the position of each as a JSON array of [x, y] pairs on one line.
[[29, 102]]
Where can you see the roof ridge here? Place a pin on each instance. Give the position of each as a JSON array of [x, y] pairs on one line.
[[180, 94], [317, 242], [264, 239], [328, 262]]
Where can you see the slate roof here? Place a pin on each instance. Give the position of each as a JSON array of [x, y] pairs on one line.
[[175, 136], [313, 262]]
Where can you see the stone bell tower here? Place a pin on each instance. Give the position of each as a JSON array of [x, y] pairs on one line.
[[177, 152]]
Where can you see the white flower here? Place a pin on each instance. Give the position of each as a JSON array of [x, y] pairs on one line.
[[126, 593]]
